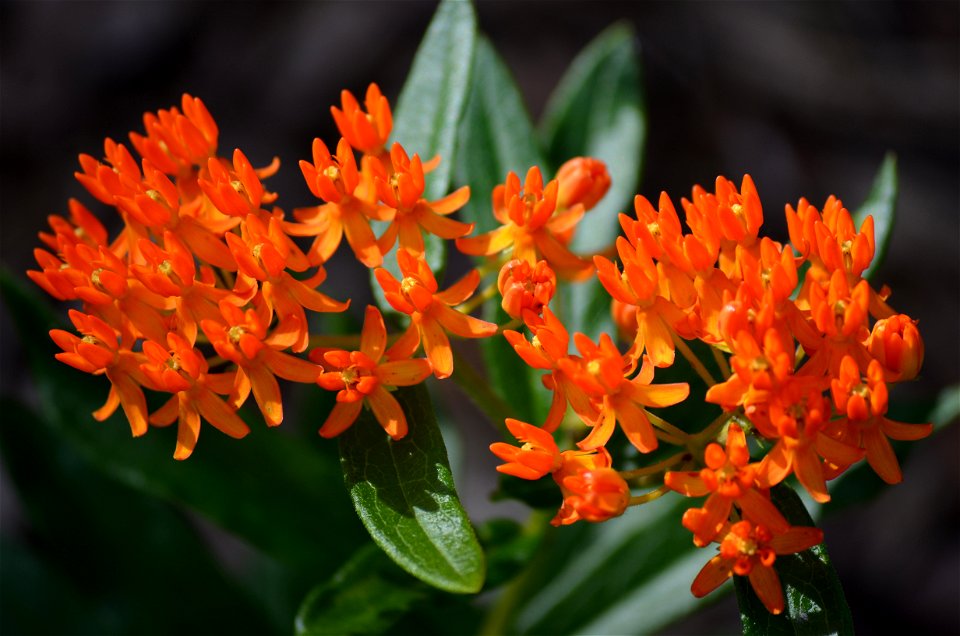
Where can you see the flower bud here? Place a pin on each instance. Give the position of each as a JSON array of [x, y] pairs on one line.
[[526, 288], [895, 342], [582, 180]]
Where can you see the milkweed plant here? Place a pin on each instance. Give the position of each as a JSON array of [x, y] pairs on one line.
[[669, 383]]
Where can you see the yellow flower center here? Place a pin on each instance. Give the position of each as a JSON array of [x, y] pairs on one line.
[[236, 332]]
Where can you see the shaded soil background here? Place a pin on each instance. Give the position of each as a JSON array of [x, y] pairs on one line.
[[806, 97]]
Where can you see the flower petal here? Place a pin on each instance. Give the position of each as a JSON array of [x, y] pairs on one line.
[[341, 417], [388, 412]]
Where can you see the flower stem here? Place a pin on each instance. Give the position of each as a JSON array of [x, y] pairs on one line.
[[669, 428], [485, 295], [648, 497], [721, 362], [713, 428], [693, 360], [653, 469]]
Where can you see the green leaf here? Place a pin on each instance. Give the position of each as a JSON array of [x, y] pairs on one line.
[[630, 575], [81, 519], [496, 136], [815, 603], [433, 97], [881, 202], [404, 493], [275, 491], [597, 110], [366, 596]]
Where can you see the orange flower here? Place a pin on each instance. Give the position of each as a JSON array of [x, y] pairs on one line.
[[98, 352], [402, 192], [175, 141], [235, 189], [537, 457], [600, 374], [896, 344], [526, 289], [748, 549], [335, 179], [430, 311], [581, 181], [864, 405], [592, 490], [241, 337], [366, 131], [264, 252], [360, 378], [181, 370], [728, 478], [530, 226]]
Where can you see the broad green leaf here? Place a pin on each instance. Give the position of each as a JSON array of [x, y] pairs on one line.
[[81, 519], [496, 136], [881, 202], [597, 110], [277, 492], [404, 493], [433, 97], [366, 596], [630, 575], [815, 603]]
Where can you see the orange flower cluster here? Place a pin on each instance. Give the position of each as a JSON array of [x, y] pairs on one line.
[[204, 293], [809, 360]]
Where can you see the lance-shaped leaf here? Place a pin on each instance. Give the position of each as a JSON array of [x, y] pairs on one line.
[[597, 110], [366, 596], [428, 112], [496, 137], [881, 202], [434, 95], [404, 493], [815, 603]]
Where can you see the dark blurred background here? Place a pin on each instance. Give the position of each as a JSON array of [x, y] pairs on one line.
[[806, 97]]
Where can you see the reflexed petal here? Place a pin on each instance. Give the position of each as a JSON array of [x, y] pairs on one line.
[[406, 344], [404, 372], [388, 413], [880, 456], [492, 242], [904, 432], [460, 290], [188, 429], [462, 324], [290, 367], [761, 510], [437, 346], [766, 584], [775, 466], [714, 573], [215, 411], [806, 465], [657, 395], [796, 539], [687, 483], [373, 337], [452, 202], [341, 417], [636, 426], [266, 391]]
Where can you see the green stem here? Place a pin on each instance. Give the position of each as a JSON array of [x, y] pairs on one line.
[[653, 469], [488, 292], [648, 497], [721, 362], [710, 432], [693, 360], [668, 428]]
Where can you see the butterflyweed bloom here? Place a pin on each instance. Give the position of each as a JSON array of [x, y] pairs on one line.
[[537, 457], [591, 489], [235, 189], [431, 311], [530, 225], [347, 211], [181, 369], [601, 374], [98, 352], [360, 378], [841, 315], [638, 286], [177, 141], [728, 478], [401, 192], [863, 403], [366, 131], [263, 253], [549, 345], [241, 337], [526, 289], [896, 344], [732, 216], [582, 181], [750, 549]]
